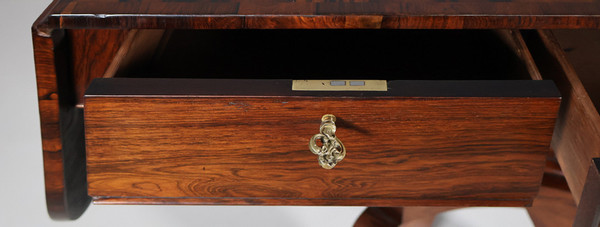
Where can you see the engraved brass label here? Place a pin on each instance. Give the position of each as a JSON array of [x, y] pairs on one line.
[[339, 85]]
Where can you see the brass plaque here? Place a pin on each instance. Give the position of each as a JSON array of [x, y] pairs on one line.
[[339, 85]]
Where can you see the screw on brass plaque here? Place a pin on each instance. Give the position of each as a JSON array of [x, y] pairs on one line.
[[339, 85]]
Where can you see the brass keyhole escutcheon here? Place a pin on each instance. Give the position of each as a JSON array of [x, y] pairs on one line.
[[332, 150]]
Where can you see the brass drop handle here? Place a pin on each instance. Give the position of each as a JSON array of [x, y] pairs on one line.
[[332, 149]]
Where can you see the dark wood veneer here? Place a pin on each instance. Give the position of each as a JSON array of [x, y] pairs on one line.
[[577, 135], [92, 51], [237, 144], [270, 14], [62, 129], [72, 47], [588, 212], [60, 87]]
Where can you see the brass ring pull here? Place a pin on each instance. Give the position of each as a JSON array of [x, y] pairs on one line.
[[332, 150]]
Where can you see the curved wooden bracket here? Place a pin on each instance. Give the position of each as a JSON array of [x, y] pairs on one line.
[[62, 129], [66, 62]]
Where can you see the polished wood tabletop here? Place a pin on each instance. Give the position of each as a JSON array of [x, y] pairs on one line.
[[272, 14]]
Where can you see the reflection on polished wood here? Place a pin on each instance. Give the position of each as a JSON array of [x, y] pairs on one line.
[[269, 14], [588, 211], [553, 206], [70, 52], [245, 142]]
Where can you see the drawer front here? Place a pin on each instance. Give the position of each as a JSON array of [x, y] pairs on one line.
[[431, 143]]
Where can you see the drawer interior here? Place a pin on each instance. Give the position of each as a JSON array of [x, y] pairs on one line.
[[323, 54]]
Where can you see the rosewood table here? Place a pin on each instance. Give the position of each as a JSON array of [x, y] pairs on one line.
[[377, 103]]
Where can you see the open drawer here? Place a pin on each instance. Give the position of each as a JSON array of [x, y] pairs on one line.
[[211, 118]]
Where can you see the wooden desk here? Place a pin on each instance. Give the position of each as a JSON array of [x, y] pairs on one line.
[[78, 41]]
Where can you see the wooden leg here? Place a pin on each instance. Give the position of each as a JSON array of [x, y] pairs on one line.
[[400, 216], [552, 207], [588, 211], [380, 216]]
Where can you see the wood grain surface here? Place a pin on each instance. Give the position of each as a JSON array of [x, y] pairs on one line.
[[137, 50], [240, 149], [62, 124], [66, 61], [581, 48], [576, 138], [588, 213], [552, 207], [92, 51], [62, 129], [272, 14]]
